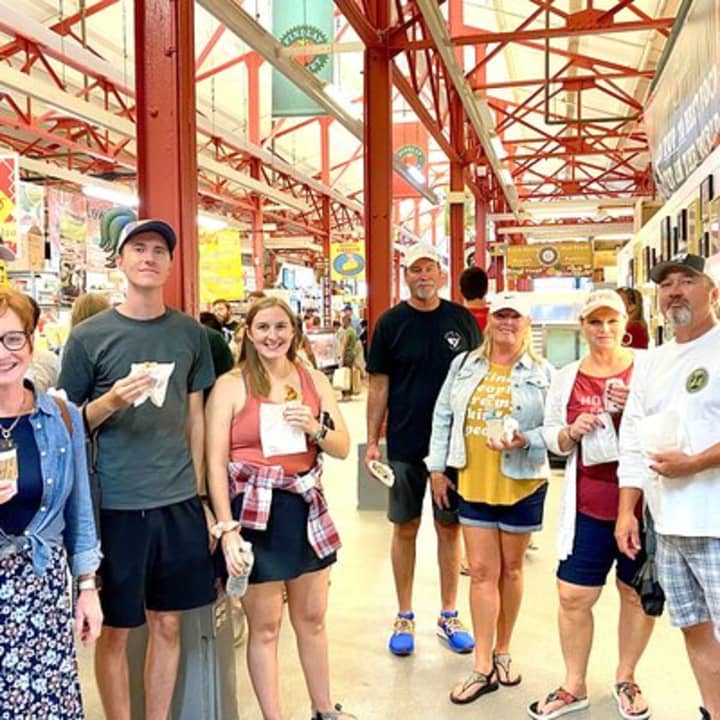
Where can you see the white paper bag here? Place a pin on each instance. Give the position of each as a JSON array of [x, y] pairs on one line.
[[600, 445], [160, 374], [342, 378], [277, 436]]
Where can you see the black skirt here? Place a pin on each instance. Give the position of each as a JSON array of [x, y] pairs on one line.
[[282, 551]]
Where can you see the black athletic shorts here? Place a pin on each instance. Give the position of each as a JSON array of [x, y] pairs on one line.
[[156, 560], [405, 497]]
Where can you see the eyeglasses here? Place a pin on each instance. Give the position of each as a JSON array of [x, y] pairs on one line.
[[14, 340]]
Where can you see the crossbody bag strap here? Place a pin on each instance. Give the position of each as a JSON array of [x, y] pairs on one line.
[[65, 414]]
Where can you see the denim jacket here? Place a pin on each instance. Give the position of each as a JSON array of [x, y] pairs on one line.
[[530, 381], [65, 516]]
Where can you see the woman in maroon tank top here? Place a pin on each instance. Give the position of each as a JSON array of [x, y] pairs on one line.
[[267, 424]]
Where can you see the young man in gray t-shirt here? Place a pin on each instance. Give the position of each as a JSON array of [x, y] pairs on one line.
[[140, 370]]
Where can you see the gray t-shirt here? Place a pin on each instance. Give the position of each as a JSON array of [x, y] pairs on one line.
[[143, 458]]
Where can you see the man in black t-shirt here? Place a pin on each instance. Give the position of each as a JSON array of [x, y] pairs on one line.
[[410, 353]]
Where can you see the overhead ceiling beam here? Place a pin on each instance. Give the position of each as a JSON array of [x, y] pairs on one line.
[[594, 229], [242, 24], [20, 83], [484, 38], [84, 61], [476, 109]]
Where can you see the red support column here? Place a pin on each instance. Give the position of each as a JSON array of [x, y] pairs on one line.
[[166, 143], [457, 210], [258, 246], [378, 167], [480, 231]]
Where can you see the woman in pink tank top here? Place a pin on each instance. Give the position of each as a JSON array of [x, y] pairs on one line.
[[267, 424]]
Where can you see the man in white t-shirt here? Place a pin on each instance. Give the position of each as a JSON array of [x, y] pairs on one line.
[[680, 396]]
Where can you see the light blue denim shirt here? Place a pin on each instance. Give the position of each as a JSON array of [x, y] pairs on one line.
[[65, 516], [530, 381]]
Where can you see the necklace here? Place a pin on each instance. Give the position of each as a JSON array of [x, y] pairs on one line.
[[7, 432]]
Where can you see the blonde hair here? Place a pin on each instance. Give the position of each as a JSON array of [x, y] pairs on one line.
[[250, 364], [87, 305], [485, 350]]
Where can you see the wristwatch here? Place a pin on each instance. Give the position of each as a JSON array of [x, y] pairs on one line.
[[90, 583], [320, 434], [218, 530]]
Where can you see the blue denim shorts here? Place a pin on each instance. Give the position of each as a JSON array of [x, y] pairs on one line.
[[525, 516], [593, 554]]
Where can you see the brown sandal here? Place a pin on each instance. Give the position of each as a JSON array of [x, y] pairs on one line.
[[502, 663], [481, 683]]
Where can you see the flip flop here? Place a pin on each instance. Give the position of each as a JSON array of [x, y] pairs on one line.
[[570, 704], [629, 691], [485, 684], [502, 662]]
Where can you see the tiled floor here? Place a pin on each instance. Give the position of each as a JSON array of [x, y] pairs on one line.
[[377, 686]]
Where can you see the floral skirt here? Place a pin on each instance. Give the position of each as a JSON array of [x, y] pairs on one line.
[[38, 667]]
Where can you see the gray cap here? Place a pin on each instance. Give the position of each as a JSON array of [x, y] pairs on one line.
[[143, 226], [695, 264]]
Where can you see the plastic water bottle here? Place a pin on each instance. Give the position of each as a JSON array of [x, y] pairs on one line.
[[237, 585]]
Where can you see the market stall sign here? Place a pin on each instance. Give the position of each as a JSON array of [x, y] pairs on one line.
[[553, 260], [347, 260], [8, 199]]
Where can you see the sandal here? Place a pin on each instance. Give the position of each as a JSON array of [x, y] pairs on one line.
[[570, 704], [336, 714], [501, 663], [629, 691], [481, 683]]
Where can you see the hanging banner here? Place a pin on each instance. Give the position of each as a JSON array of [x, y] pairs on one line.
[[67, 218], [347, 260], [556, 260], [30, 213], [9, 180], [682, 114], [296, 24], [220, 265], [410, 147], [99, 262]]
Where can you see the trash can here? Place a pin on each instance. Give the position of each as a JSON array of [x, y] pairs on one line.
[[371, 493], [206, 683]]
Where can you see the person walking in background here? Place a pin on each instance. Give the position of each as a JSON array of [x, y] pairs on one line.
[[587, 398], [293, 538], [486, 429], [140, 370], [223, 312], [222, 356], [473, 288], [636, 330], [411, 349], [46, 525], [346, 347], [670, 452]]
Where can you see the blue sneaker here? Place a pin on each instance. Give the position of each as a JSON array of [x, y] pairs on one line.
[[451, 629], [402, 641]]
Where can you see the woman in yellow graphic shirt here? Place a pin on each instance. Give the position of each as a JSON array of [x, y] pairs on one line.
[[487, 438]]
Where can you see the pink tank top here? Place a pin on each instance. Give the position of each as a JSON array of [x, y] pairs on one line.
[[245, 431]]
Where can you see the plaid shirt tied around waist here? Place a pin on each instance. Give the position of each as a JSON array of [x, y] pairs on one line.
[[257, 484]]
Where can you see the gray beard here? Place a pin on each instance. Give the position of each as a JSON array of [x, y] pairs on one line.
[[425, 294], [680, 316]]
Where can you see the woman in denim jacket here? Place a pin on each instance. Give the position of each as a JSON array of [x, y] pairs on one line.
[[487, 432], [46, 523]]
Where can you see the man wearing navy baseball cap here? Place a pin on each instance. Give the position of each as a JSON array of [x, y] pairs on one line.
[[670, 450], [139, 371]]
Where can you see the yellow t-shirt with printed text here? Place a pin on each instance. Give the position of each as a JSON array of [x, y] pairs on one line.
[[482, 479]]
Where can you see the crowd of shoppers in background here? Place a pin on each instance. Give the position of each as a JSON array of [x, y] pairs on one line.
[[472, 417]]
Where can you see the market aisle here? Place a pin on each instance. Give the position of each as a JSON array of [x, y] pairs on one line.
[[377, 686]]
